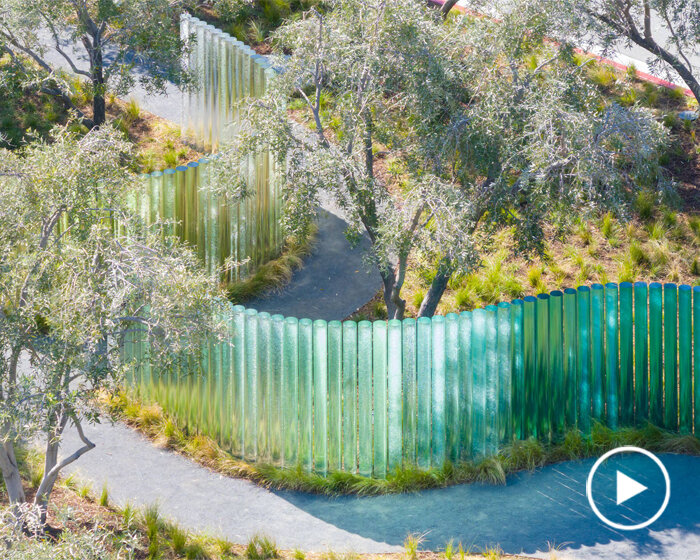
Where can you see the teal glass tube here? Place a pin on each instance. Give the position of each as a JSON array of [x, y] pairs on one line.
[[670, 322], [276, 389], [350, 396], [696, 356], [410, 403], [379, 397], [335, 395], [238, 382], [465, 394], [364, 390], [518, 369], [262, 383], [452, 387], [641, 353], [320, 397], [478, 345], [542, 376], [597, 352], [250, 418], [530, 367], [290, 401], [505, 382], [155, 188], [571, 377], [438, 433], [685, 357], [394, 378], [626, 354], [656, 376], [225, 397], [306, 394], [423, 391], [612, 358], [557, 380]]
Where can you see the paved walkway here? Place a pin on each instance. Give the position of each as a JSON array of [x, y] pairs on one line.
[[530, 513]]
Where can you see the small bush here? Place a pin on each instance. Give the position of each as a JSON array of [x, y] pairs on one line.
[[418, 298], [261, 548], [104, 496], [607, 226], [631, 72], [602, 75], [132, 111], [644, 205]]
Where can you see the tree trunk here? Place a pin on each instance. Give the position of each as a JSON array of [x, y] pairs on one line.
[[434, 295], [389, 279], [98, 84], [446, 7], [10, 472]]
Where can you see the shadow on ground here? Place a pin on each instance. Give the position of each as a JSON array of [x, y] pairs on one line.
[[333, 280], [531, 513]]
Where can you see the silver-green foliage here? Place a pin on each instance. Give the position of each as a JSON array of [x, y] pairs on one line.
[[77, 272], [486, 138], [115, 35]]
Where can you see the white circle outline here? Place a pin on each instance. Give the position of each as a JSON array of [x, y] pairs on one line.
[[628, 449]]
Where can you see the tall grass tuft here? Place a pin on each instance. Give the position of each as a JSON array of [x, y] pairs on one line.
[[261, 548]]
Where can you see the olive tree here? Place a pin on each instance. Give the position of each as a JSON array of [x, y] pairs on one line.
[[72, 284], [487, 139], [115, 35], [669, 30]]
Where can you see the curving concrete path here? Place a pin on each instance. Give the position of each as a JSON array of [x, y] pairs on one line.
[[533, 512]]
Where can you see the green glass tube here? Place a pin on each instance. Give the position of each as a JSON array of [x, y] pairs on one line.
[[335, 395], [364, 394], [505, 380], [518, 369], [225, 390], [320, 398], [557, 380], [155, 188], [597, 352], [394, 378], [180, 201], [350, 396], [685, 357], [275, 414], [168, 201], [696, 356], [410, 404], [191, 205], [379, 397], [571, 377], [542, 375], [250, 418], [465, 394], [583, 298], [478, 348], [612, 358], [641, 353], [423, 391], [306, 394], [656, 392], [290, 401], [626, 354], [530, 366], [263, 387], [204, 197], [438, 383], [238, 382], [670, 321], [453, 387]]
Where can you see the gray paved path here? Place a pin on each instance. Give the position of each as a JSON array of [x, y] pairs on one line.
[[530, 513]]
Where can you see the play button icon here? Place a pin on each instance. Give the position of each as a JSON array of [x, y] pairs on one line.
[[628, 488]]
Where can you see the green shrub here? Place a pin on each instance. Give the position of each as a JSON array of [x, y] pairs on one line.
[[602, 75], [631, 72], [644, 205], [418, 298], [261, 548]]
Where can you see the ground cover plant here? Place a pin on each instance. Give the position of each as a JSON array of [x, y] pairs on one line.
[[655, 238], [530, 454]]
